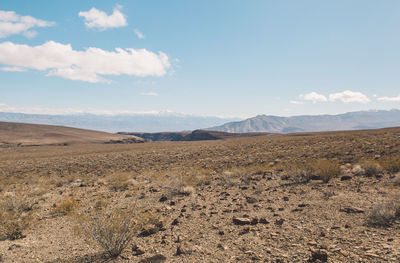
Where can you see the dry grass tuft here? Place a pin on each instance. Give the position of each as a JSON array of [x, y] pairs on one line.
[[65, 207], [111, 229], [391, 164], [384, 215], [371, 167], [327, 169], [15, 216]]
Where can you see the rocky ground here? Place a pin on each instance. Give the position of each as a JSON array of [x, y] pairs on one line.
[[237, 200]]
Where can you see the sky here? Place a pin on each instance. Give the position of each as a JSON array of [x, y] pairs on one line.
[[211, 58]]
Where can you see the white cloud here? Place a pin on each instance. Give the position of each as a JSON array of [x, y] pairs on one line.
[[13, 69], [87, 65], [314, 97], [12, 24], [349, 96], [296, 102], [392, 99], [139, 34], [95, 18], [149, 94]]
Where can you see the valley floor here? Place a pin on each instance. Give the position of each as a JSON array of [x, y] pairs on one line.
[[273, 198]]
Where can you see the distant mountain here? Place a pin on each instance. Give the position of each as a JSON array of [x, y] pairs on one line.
[[347, 121], [121, 122]]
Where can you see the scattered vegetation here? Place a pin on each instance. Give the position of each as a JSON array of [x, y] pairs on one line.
[[383, 215], [370, 167], [111, 229], [327, 169], [65, 207], [15, 216], [391, 164]]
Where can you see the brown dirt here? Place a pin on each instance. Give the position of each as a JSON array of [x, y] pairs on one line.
[[22, 134], [245, 207]]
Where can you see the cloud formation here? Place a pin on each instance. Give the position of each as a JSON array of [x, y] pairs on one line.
[[349, 96], [314, 97], [13, 69], [95, 18], [391, 99], [296, 102], [139, 34], [12, 24], [86, 65]]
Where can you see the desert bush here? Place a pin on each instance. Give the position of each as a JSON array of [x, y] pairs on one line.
[[299, 173], [15, 216], [119, 182], [181, 185], [326, 169], [391, 164], [111, 229], [227, 179], [370, 167], [383, 215], [64, 207]]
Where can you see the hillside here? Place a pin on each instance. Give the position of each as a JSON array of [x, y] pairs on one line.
[[33, 134], [347, 121], [309, 197], [197, 135]]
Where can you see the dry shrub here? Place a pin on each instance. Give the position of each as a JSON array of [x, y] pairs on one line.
[[65, 207], [111, 229], [228, 179], [299, 173], [119, 182], [180, 185], [383, 215], [391, 164], [327, 169], [370, 167], [15, 216]]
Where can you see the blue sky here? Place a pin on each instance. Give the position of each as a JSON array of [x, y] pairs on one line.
[[221, 58]]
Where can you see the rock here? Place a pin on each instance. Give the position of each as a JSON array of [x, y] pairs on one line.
[[351, 210], [318, 255], [241, 221], [175, 222], [279, 222], [163, 198], [137, 251], [184, 249], [251, 200], [357, 170], [263, 221], [345, 178]]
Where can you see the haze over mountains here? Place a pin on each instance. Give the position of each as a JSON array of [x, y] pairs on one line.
[[121, 122], [347, 121], [167, 122]]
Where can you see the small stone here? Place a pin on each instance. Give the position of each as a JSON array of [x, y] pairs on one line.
[[345, 178], [163, 198], [319, 255], [351, 210]]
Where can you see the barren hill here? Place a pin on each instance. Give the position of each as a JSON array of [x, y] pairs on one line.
[[196, 135], [33, 134], [348, 121]]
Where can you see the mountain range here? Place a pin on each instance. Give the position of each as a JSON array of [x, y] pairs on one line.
[[122, 122], [373, 119], [175, 122]]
